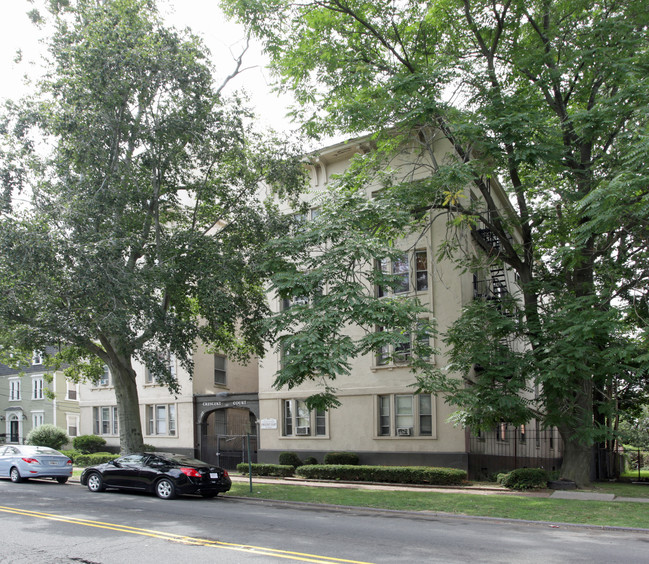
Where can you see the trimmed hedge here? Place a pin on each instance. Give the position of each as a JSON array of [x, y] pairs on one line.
[[341, 458], [387, 474], [88, 444], [72, 454], [94, 458], [281, 470], [525, 479], [289, 459]]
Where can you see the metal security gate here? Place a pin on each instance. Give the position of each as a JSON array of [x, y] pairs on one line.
[[228, 437], [229, 450]]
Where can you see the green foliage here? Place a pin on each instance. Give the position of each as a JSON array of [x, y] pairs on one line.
[[309, 460], [88, 444], [47, 435], [95, 458], [289, 459], [388, 474], [346, 458], [525, 479], [148, 448], [140, 161], [548, 97], [280, 470], [72, 454]]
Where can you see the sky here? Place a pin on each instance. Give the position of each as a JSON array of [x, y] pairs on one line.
[[224, 39]]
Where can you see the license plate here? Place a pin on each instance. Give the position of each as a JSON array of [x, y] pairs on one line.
[[54, 463], [214, 476]]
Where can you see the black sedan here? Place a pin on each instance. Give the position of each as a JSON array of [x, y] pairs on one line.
[[164, 473]]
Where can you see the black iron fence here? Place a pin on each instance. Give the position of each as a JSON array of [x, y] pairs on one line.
[[507, 448]]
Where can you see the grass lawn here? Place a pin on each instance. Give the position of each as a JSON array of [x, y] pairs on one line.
[[620, 514]]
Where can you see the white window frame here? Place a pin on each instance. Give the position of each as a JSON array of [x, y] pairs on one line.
[[71, 387], [37, 358], [72, 422], [105, 378], [161, 419], [406, 416], [105, 420], [38, 418], [299, 422], [14, 389], [38, 387], [418, 279]]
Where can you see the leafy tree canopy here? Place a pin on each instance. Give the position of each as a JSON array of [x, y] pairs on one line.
[[549, 97], [143, 231]]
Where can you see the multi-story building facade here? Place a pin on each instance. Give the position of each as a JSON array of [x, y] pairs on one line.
[[380, 418], [33, 395]]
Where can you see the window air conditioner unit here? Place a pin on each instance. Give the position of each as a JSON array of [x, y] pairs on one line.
[[404, 431], [302, 431]]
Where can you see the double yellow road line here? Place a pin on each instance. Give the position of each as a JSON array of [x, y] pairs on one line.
[[258, 550]]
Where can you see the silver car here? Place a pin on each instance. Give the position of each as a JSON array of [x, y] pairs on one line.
[[20, 462]]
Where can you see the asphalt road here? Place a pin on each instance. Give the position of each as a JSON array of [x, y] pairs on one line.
[[44, 522]]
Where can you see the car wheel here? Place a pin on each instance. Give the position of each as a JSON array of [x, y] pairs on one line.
[[209, 494], [165, 489], [95, 483], [62, 480], [15, 476]]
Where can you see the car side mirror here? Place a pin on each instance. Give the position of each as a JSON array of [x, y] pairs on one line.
[[114, 463]]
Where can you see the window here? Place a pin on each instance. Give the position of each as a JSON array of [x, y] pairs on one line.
[[401, 351], [161, 419], [37, 387], [72, 424], [14, 389], [413, 415], [37, 358], [104, 379], [169, 361], [421, 271], [220, 373], [501, 432], [38, 418], [384, 415], [403, 348], [105, 420], [298, 421], [400, 269], [72, 390]]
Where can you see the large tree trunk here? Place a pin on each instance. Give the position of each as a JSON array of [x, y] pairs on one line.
[[128, 405], [577, 458], [574, 430]]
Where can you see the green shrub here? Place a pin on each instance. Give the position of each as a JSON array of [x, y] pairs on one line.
[[87, 444], [71, 454], [289, 459], [526, 479], [310, 460], [344, 458], [387, 474], [280, 470], [148, 448], [94, 458], [48, 436]]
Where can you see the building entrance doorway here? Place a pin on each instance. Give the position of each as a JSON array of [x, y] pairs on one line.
[[228, 437], [14, 430]]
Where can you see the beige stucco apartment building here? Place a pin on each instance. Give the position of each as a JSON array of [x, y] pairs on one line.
[[380, 418]]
